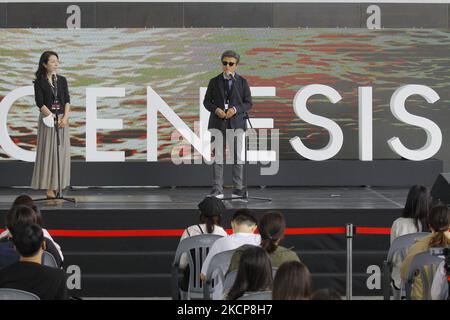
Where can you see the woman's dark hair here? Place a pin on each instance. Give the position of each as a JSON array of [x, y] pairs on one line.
[[271, 228], [326, 294], [26, 200], [292, 282], [28, 239], [19, 215], [417, 207], [439, 220], [41, 71], [254, 273], [211, 222]]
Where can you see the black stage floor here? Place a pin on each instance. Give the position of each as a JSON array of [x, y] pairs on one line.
[[188, 198], [124, 239]]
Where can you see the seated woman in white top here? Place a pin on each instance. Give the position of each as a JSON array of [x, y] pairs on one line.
[[413, 219], [211, 210]]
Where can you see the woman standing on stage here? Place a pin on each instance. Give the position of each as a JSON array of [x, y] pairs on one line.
[[52, 98]]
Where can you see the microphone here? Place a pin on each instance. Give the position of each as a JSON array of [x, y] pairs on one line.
[[230, 75]]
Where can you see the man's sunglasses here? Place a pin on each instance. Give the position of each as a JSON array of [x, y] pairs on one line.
[[225, 63]]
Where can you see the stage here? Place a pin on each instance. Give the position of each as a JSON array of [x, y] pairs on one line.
[[124, 239]]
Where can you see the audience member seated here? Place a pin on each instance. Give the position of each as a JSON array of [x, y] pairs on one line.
[[440, 237], [26, 200], [211, 211], [326, 294], [254, 274], [243, 224], [414, 219], [439, 288], [292, 282], [21, 214], [271, 229], [28, 274]]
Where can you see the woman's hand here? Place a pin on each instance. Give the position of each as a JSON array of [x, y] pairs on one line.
[[63, 122]]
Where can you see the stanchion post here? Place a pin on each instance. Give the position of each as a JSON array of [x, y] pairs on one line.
[[350, 230]]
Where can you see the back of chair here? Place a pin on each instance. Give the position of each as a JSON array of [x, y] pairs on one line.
[[14, 294], [200, 245], [426, 265], [217, 269], [398, 247], [263, 295], [229, 281], [401, 244], [49, 260]]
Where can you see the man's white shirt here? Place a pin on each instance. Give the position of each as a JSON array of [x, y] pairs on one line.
[[230, 242]]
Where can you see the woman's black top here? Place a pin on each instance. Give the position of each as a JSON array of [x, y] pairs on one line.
[[44, 93]]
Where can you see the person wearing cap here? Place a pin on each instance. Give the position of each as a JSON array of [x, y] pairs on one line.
[[211, 210]]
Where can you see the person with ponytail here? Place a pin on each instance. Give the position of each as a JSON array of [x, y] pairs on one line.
[[271, 228], [52, 97], [439, 223], [211, 211]]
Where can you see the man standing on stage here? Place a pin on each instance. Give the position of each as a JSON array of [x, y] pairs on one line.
[[228, 99]]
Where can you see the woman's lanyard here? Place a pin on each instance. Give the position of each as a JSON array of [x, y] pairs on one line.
[[56, 106], [55, 90]]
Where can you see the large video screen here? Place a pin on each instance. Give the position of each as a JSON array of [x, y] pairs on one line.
[[176, 63]]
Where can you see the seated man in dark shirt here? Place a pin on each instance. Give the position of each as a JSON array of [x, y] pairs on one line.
[[28, 274]]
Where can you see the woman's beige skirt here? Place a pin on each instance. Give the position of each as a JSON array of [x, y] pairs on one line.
[[45, 173]]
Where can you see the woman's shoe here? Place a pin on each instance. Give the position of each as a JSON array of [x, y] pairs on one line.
[[51, 196]]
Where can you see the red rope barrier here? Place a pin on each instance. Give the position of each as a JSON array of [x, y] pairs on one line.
[[179, 232], [370, 230]]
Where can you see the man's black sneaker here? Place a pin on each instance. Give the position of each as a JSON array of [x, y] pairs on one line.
[[239, 193]]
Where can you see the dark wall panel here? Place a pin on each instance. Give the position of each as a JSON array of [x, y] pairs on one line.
[[2, 15], [139, 15], [209, 15], [321, 15], [410, 15], [239, 15], [47, 15]]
